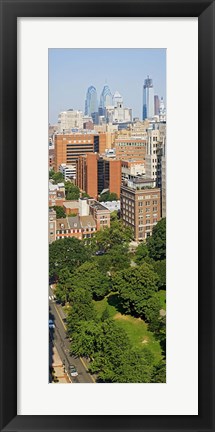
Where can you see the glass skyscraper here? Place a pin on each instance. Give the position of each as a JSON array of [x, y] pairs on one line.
[[106, 98], [148, 98], [91, 103]]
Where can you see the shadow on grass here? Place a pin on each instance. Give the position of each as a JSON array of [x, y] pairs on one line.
[[113, 300]]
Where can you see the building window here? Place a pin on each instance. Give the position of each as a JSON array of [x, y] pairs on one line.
[[155, 208]]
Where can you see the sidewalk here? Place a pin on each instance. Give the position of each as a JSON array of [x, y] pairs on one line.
[[59, 368]]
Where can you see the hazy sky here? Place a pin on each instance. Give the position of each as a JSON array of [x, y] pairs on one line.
[[72, 71]]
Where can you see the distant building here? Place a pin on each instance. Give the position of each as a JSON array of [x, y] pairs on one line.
[[70, 119], [148, 99], [131, 148], [106, 99], [91, 104], [156, 105]]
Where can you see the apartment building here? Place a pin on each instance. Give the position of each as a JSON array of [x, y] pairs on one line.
[[140, 207], [131, 148]]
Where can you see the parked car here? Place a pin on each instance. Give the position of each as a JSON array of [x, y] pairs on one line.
[[73, 371], [51, 324]]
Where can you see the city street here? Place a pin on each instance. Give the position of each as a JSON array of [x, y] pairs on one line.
[[62, 343]]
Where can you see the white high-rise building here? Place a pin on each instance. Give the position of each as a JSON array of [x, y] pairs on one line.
[[148, 99], [70, 119]]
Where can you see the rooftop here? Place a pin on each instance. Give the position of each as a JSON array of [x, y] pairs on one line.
[[98, 206], [71, 204], [87, 221]]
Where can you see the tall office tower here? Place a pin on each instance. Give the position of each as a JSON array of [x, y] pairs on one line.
[[70, 119], [156, 104], [117, 98], [162, 111], [91, 104], [148, 98], [106, 99]]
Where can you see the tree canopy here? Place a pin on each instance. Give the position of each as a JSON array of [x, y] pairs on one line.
[[66, 253], [57, 177], [72, 191], [60, 213], [156, 244], [137, 287], [108, 196]]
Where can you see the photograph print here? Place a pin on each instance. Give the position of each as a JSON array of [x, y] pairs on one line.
[[107, 215]]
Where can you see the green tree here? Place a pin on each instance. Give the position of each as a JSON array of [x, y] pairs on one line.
[[57, 177], [136, 286], [66, 253], [85, 195], [141, 253], [86, 339], [89, 276], [72, 191], [157, 242], [82, 308], [160, 269], [108, 196], [63, 286], [51, 173], [116, 361], [117, 234], [60, 213], [159, 373]]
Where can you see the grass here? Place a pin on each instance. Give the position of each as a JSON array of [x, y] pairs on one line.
[[162, 296], [136, 328]]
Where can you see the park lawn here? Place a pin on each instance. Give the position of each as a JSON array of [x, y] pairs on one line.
[[162, 297], [136, 328]]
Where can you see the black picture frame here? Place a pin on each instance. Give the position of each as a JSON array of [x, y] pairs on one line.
[[10, 11]]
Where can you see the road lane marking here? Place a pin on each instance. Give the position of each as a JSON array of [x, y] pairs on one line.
[[59, 317], [85, 366]]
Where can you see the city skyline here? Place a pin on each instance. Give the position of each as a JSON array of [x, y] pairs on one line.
[[73, 71]]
